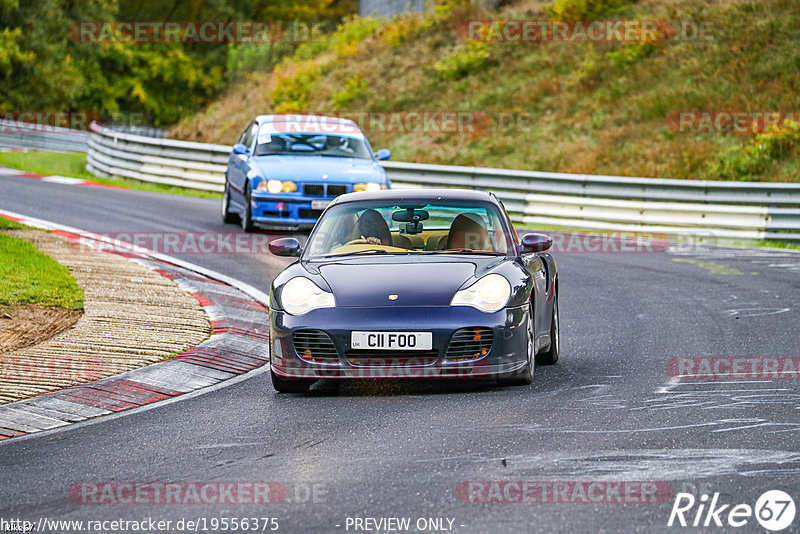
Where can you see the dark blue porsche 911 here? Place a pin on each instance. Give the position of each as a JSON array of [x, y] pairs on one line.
[[419, 283]]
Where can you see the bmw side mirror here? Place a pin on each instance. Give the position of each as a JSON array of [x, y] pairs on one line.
[[287, 246], [383, 154], [535, 243], [239, 148]]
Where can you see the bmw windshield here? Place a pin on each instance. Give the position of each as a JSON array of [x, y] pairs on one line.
[[311, 144]]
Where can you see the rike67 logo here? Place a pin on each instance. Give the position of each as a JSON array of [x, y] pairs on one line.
[[774, 510]]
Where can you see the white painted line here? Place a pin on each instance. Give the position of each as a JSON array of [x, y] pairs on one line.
[[62, 180]]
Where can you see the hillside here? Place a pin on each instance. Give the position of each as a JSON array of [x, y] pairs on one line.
[[586, 107]]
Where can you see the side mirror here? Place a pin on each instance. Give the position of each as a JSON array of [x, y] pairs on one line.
[[383, 154], [535, 243], [287, 246], [239, 148]]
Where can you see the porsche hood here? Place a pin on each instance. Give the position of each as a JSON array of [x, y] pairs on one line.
[[397, 284]]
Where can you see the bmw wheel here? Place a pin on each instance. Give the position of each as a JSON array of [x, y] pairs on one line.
[[227, 215], [247, 221]]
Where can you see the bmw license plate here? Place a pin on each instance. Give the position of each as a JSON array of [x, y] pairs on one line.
[[319, 204], [392, 340]]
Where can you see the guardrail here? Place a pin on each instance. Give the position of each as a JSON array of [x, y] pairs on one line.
[[739, 210], [23, 135], [150, 159]]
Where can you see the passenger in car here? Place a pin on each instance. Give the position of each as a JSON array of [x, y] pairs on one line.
[[468, 232]]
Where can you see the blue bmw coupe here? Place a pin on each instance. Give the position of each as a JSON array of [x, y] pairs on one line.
[[285, 170], [413, 284]]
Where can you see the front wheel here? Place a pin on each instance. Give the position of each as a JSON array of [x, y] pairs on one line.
[[247, 215], [524, 376], [551, 355], [283, 385], [227, 215]]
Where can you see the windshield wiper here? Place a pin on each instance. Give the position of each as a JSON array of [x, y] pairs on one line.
[[357, 252], [463, 251]]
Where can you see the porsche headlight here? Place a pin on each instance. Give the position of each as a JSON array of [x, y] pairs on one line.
[[369, 186], [489, 294], [276, 186], [300, 295]]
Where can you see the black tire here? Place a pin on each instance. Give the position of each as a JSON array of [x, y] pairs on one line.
[[524, 376], [247, 221], [283, 385], [550, 356], [228, 217]]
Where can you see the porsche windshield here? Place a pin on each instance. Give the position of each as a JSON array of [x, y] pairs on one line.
[[380, 228], [305, 144]]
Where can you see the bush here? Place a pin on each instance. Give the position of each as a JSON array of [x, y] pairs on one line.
[[748, 162], [251, 57], [586, 9], [630, 53], [342, 42], [353, 89], [464, 60], [294, 84]]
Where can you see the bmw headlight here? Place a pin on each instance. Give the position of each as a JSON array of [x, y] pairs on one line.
[[489, 294], [276, 186], [300, 295], [371, 187]]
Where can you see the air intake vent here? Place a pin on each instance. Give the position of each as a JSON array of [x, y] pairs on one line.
[[388, 358], [315, 346], [314, 190], [336, 190], [469, 344]]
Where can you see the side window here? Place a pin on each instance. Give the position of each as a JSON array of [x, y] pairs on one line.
[[249, 134]]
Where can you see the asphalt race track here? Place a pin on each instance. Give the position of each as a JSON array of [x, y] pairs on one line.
[[608, 411]]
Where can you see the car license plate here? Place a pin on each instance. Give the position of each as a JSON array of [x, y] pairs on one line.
[[392, 340], [319, 204]]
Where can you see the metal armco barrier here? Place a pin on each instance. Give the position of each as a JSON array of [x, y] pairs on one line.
[[22, 135], [737, 210], [151, 159]]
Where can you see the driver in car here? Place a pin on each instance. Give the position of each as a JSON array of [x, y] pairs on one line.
[[373, 229]]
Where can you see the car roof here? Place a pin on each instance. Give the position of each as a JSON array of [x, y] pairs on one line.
[[426, 194], [266, 119], [309, 124]]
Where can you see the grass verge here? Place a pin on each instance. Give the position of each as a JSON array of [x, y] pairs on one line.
[[29, 276], [73, 165]]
